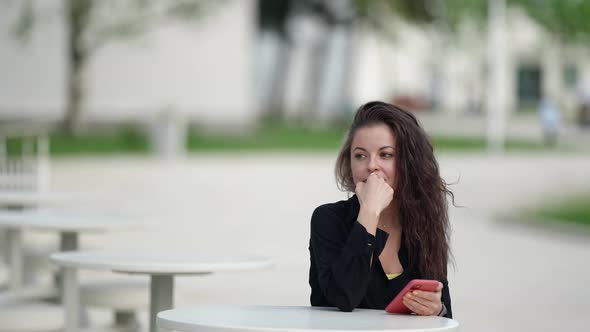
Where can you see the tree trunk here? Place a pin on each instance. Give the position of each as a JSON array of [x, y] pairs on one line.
[[76, 16], [75, 95]]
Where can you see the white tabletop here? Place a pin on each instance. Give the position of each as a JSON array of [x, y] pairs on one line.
[[158, 262], [27, 198], [295, 319], [64, 221]]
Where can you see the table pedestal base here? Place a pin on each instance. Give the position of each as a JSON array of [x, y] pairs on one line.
[[15, 257], [161, 297], [71, 299]]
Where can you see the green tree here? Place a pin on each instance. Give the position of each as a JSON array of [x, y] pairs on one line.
[[567, 19], [90, 24]]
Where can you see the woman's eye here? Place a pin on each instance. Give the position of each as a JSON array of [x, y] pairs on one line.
[[359, 156], [387, 155]]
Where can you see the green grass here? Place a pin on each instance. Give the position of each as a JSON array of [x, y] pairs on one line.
[[275, 137], [126, 139], [269, 138], [459, 143], [330, 139], [575, 209]]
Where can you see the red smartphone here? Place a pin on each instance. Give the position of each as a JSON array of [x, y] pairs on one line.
[[397, 305]]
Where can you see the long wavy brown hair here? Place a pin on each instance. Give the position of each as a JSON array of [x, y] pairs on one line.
[[420, 191]]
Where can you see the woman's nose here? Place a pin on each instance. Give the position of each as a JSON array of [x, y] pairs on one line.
[[373, 165]]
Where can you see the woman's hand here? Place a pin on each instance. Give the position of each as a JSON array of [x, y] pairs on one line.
[[424, 303], [374, 194]]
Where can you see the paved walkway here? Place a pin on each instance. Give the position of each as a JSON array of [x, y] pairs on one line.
[[506, 278]]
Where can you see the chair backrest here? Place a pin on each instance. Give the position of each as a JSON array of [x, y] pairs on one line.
[[25, 172], [29, 170]]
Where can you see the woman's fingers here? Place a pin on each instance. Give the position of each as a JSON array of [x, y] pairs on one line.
[[422, 296], [375, 192], [425, 303], [416, 306]]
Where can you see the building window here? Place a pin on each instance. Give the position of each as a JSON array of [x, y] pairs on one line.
[[529, 86], [570, 76]]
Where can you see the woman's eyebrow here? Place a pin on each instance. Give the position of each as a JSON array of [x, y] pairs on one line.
[[381, 148]]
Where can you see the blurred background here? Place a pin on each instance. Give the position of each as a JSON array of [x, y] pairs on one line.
[[217, 123]]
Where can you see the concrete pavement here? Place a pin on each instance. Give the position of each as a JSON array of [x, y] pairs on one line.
[[506, 278]]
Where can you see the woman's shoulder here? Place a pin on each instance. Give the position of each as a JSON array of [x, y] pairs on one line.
[[343, 211]]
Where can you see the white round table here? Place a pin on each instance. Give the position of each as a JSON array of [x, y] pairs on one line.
[[161, 266], [295, 319], [19, 200], [69, 224]]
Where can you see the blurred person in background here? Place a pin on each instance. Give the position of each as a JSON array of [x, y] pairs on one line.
[[584, 104], [395, 228], [550, 120]]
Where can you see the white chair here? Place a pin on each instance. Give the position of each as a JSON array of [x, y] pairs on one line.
[[124, 297], [3, 274], [27, 172], [37, 265]]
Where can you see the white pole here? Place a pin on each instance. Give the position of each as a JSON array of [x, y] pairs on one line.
[[497, 75], [43, 163]]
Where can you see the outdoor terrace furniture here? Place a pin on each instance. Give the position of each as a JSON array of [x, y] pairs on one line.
[[296, 319], [27, 171], [161, 266], [124, 297], [67, 224]]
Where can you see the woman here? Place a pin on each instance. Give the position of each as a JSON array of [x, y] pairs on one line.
[[366, 249]]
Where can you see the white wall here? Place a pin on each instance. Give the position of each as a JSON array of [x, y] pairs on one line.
[[32, 72], [386, 65], [203, 69]]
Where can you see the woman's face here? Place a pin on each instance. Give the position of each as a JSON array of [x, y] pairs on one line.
[[373, 150]]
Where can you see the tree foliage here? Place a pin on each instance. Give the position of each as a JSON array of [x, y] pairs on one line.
[[567, 19]]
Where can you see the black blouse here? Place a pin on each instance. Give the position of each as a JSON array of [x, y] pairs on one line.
[[341, 274]]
